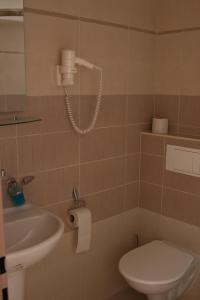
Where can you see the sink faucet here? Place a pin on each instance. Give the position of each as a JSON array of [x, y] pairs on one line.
[[15, 189]]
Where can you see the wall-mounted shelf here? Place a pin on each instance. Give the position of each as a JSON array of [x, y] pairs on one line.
[[172, 135], [18, 120]]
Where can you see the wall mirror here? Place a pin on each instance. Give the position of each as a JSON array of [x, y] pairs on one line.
[[12, 62]]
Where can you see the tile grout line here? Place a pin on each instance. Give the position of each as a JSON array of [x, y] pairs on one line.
[[93, 193], [171, 188], [17, 154], [125, 149], [71, 131], [81, 163], [170, 136], [175, 31], [179, 114], [88, 20], [152, 154], [79, 113], [140, 168], [163, 177], [125, 121]]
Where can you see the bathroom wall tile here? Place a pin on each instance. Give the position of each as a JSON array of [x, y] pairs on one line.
[[140, 78], [12, 35], [131, 195], [43, 46], [8, 156], [52, 111], [189, 143], [140, 109], [60, 210], [151, 168], [190, 59], [150, 197], [152, 144], [168, 107], [102, 143], [142, 47], [133, 137], [132, 167], [107, 47], [43, 152], [72, 7], [181, 206], [112, 110], [52, 186], [15, 103], [139, 13], [101, 175], [191, 13], [169, 48], [7, 131], [105, 204], [187, 131], [189, 111], [182, 182], [2, 100], [170, 15], [143, 13], [168, 79], [168, 70], [117, 11]]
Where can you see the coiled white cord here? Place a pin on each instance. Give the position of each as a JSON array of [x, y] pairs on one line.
[[96, 111]]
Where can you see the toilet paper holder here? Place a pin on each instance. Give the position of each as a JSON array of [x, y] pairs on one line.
[[77, 201]]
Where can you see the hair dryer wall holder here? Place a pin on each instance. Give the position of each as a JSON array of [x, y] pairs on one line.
[[64, 76], [69, 62]]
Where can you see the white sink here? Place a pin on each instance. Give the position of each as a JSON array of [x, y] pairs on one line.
[[31, 233]]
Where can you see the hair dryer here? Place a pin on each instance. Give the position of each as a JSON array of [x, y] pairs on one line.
[[67, 69], [65, 77]]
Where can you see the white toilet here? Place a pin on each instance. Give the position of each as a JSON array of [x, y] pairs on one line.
[[159, 269]]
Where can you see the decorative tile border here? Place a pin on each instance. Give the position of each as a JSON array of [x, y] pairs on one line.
[[107, 23], [88, 20], [175, 31]]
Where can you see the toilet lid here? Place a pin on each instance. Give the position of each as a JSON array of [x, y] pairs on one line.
[[155, 262]]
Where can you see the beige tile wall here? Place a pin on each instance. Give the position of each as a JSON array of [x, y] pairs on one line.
[[106, 160], [168, 193], [182, 112], [104, 165], [177, 48], [100, 164]]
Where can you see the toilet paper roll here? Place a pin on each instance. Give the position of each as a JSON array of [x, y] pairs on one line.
[[160, 126], [81, 219]]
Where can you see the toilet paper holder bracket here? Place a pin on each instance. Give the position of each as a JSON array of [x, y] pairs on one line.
[[77, 201]]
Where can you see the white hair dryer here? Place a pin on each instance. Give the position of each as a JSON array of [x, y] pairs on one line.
[[65, 77], [67, 69]]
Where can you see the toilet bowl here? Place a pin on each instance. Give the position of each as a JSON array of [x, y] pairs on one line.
[[159, 269]]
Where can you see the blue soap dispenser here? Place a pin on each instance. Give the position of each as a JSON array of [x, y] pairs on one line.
[[15, 191]]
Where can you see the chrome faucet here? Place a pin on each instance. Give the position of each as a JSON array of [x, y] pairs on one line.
[[14, 187]]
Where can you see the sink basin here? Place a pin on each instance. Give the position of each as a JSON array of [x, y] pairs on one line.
[[31, 233]]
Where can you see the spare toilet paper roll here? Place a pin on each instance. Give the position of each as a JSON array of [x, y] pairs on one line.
[[81, 219], [160, 126]]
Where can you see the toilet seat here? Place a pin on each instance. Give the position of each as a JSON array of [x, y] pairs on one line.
[[155, 263]]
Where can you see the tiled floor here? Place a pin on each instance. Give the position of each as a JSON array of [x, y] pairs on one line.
[[128, 294]]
